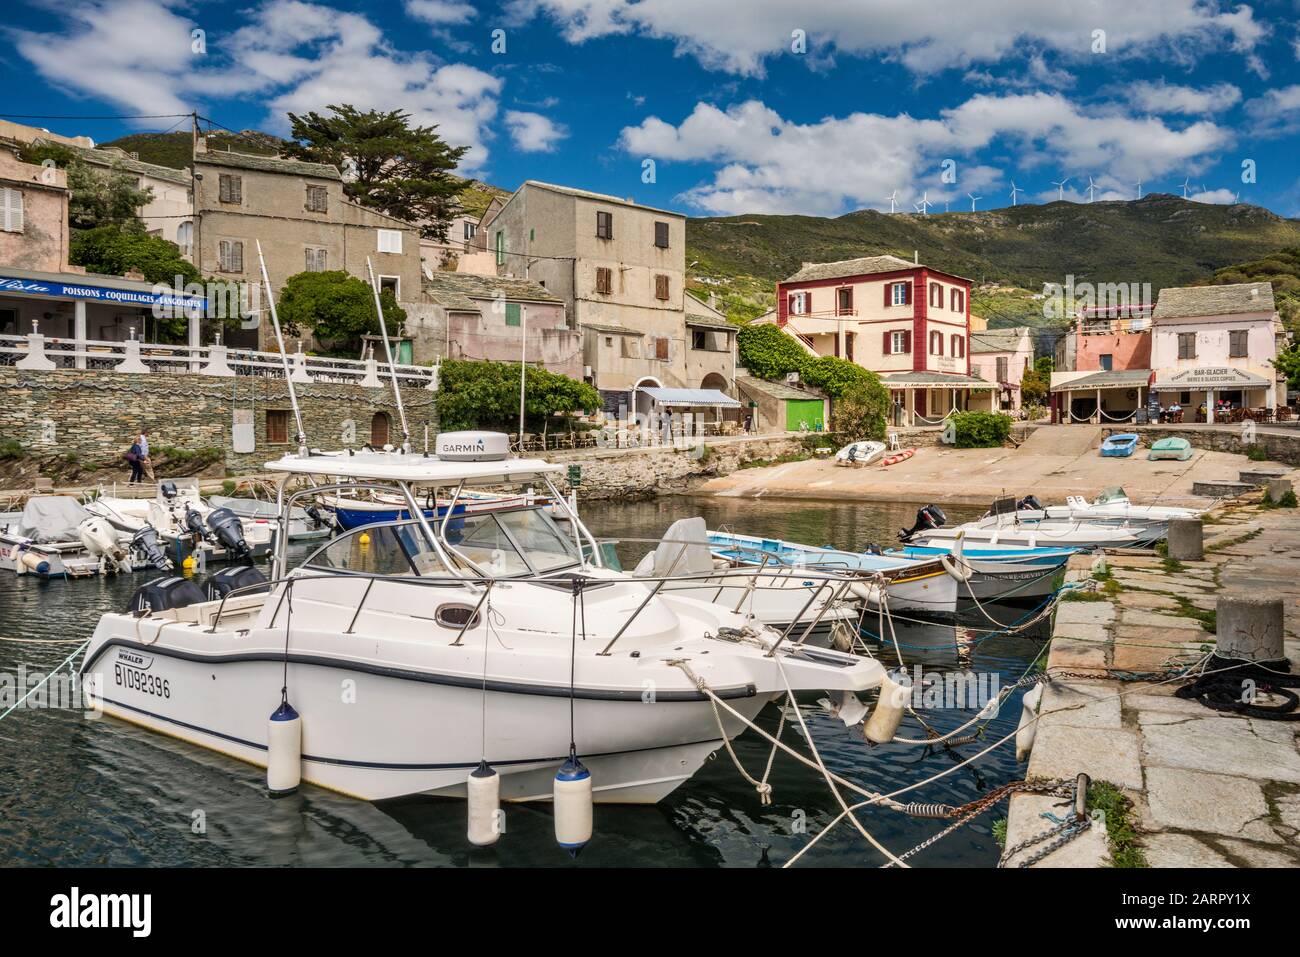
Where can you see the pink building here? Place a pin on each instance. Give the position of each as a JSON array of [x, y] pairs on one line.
[[1001, 356]]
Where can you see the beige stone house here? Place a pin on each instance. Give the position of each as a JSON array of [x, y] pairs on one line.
[[485, 318], [304, 222], [620, 269]]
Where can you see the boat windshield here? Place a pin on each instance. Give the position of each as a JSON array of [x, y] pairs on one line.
[[1109, 495]]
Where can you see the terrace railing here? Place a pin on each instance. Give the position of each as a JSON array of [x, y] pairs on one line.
[[133, 357]]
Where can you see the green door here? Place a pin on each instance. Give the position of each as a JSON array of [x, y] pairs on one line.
[[803, 413]]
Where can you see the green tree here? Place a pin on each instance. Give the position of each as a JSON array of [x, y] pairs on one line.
[[96, 197], [114, 251], [396, 168], [1035, 386], [337, 307], [860, 411], [486, 395], [768, 352], [1288, 363]]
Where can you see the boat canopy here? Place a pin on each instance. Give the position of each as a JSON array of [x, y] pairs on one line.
[[415, 469]]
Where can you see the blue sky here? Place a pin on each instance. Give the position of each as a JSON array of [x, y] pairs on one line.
[[818, 107]]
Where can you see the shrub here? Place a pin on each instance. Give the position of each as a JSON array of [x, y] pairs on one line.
[[981, 430], [486, 395], [11, 449], [338, 307], [860, 412], [768, 352], [1256, 452]]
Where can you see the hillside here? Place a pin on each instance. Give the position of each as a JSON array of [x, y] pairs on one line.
[[1160, 239], [1282, 269]]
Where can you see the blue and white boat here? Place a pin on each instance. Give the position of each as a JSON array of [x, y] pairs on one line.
[[1119, 446], [924, 585], [354, 511], [998, 574]]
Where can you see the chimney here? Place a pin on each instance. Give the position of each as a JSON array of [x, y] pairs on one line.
[[916, 257]]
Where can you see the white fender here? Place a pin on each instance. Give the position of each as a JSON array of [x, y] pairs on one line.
[[1029, 705], [895, 693], [483, 791]]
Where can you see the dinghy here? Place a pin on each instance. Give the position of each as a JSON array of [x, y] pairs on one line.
[[1180, 450], [1119, 446], [481, 643], [862, 453], [1004, 528], [1111, 507]]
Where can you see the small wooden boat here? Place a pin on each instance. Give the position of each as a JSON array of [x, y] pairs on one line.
[[1119, 446], [1178, 449], [865, 452]]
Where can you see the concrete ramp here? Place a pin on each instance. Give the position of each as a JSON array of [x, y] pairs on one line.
[[1068, 440]]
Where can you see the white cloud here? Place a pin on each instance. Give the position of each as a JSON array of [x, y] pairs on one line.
[[293, 55], [928, 38], [532, 132], [1222, 197], [1162, 97], [770, 164], [440, 12], [1277, 111]]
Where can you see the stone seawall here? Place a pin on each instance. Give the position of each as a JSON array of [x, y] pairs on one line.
[[644, 473], [94, 415], [1280, 446]]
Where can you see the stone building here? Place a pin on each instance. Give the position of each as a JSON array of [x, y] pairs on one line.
[[33, 214], [304, 222], [485, 317], [620, 269]]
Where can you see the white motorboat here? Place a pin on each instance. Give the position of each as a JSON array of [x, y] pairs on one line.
[[187, 523], [805, 604], [54, 537], [1111, 506], [1004, 528], [866, 452], [1001, 573], [414, 650]]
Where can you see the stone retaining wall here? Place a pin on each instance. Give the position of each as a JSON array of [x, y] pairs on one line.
[[94, 415], [1279, 446]]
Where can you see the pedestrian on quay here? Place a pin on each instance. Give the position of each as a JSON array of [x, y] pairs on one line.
[[146, 464], [133, 459]]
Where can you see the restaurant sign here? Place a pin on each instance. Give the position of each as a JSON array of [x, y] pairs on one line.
[[1212, 377], [159, 296]]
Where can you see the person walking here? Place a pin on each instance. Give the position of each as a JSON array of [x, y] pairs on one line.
[[146, 464], [133, 459]]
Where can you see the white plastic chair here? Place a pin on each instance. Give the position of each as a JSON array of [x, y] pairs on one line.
[[893, 442]]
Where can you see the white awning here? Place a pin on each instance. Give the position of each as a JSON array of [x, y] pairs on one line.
[[1214, 377], [690, 397]]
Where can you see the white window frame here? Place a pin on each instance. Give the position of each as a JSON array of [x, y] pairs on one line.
[[389, 240], [11, 209], [898, 342], [898, 297], [799, 304], [397, 285]]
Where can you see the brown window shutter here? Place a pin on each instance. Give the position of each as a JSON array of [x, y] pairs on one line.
[[907, 293], [311, 260], [907, 341], [236, 257], [237, 191], [889, 287], [889, 341], [223, 188]]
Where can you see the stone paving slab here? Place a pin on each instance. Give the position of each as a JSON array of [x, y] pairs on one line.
[[1181, 850], [1080, 704], [1216, 803], [1225, 745], [1024, 820], [1103, 754]]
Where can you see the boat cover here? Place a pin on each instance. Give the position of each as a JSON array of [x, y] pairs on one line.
[[664, 560], [51, 518]]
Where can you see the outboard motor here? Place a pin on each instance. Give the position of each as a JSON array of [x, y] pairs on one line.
[[168, 489], [163, 593], [100, 539], [145, 543], [1029, 503], [928, 517], [873, 549], [228, 531], [234, 578], [321, 519], [194, 524]]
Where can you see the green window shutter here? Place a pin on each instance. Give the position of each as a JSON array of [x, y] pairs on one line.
[[512, 314]]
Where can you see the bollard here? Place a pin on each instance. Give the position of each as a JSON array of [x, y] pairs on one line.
[[1277, 488], [1249, 628], [1186, 540]]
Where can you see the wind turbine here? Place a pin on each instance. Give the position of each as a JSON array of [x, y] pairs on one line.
[[1014, 190], [1139, 189], [893, 202], [923, 207], [1185, 189], [1060, 187], [1092, 187], [972, 201], [1236, 200]]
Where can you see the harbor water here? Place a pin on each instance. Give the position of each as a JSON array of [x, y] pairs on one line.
[[103, 792]]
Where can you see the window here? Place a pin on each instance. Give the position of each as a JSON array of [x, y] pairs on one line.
[[391, 284], [710, 340], [958, 300], [958, 346], [512, 314], [317, 199], [798, 303], [936, 343], [501, 247], [844, 301], [661, 348], [1002, 368], [230, 188], [1187, 345], [661, 235], [1106, 362], [896, 294], [390, 240], [277, 426], [1237, 343], [604, 280], [12, 210], [1184, 398], [661, 287], [185, 237], [936, 295], [898, 342], [470, 230], [230, 255], [604, 225], [315, 259]]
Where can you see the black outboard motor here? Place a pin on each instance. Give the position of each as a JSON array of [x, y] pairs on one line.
[[160, 594], [228, 531], [245, 578], [1029, 503], [146, 544], [873, 549], [927, 517], [194, 524], [320, 518], [168, 489]]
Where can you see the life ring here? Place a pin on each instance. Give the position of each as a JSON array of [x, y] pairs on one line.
[[897, 457]]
